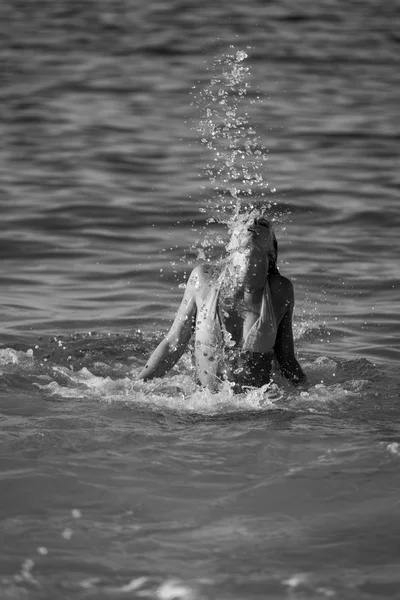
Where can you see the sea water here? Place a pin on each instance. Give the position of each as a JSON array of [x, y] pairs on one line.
[[114, 488]]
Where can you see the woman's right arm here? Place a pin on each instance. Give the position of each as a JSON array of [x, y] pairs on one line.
[[169, 351]]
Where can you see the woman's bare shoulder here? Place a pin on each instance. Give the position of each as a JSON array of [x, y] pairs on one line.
[[204, 274], [201, 279]]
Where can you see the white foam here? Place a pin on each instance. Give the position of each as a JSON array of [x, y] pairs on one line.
[[393, 448], [326, 385], [9, 356], [174, 589]]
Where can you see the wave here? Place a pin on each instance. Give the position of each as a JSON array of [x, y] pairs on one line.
[[103, 368]]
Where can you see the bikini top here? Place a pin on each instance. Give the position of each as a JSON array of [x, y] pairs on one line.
[[211, 332]]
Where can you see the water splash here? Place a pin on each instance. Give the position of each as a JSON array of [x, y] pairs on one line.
[[236, 170]]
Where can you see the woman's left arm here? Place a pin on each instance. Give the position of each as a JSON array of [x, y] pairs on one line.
[[284, 345]]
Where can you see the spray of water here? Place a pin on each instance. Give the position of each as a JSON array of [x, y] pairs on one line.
[[236, 168]]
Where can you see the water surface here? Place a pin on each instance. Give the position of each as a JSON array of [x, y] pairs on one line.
[[114, 488]]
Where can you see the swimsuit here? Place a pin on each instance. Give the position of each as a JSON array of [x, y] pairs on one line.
[[218, 357]]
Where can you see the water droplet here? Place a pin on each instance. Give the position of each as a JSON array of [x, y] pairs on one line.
[[67, 533]]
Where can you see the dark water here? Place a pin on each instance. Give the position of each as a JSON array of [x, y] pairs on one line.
[[112, 488]]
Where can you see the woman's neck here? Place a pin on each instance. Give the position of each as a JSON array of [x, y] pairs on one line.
[[247, 272]]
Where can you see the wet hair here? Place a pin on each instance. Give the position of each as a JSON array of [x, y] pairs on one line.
[[273, 258]]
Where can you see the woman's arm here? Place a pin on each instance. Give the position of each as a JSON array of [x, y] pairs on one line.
[[284, 346], [169, 351]]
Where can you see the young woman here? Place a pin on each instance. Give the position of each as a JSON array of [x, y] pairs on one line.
[[240, 313]]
